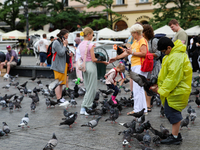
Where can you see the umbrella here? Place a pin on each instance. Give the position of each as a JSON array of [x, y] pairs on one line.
[[107, 33], [165, 30], [124, 33], [193, 31], [53, 33], [14, 35]]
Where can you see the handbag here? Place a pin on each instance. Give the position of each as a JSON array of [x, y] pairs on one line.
[[81, 62], [148, 62]]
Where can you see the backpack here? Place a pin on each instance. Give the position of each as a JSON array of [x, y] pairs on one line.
[[49, 53]]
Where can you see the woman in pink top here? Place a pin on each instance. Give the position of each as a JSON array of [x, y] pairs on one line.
[[90, 75]]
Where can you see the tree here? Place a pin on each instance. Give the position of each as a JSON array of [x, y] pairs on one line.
[[185, 11], [10, 12], [105, 3]]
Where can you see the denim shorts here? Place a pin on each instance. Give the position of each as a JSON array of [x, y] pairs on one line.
[[172, 115], [43, 57]]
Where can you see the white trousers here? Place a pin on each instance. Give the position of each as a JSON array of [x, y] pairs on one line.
[[138, 91]]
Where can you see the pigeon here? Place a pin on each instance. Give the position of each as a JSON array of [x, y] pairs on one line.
[[163, 130], [129, 124], [35, 98], [137, 114], [52, 143], [156, 140], [141, 119], [96, 96], [195, 93], [76, 88], [2, 133], [162, 135], [65, 104], [33, 106], [66, 113], [70, 120], [11, 105], [21, 90], [138, 136], [144, 147], [50, 102], [185, 122], [21, 99], [92, 123], [73, 102], [143, 126], [143, 82], [3, 104], [24, 84], [81, 91], [114, 114], [189, 110], [197, 101], [193, 115], [24, 121], [125, 89], [17, 105], [54, 84], [32, 79], [6, 86], [5, 128], [107, 92], [10, 96], [40, 83], [35, 90], [15, 84], [162, 112], [127, 137], [103, 80], [147, 139], [92, 111]]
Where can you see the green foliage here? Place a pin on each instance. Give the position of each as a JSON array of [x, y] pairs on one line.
[[10, 12], [103, 21], [185, 11]]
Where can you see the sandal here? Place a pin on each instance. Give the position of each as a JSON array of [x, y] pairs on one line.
[[131, 112], [148, 109]]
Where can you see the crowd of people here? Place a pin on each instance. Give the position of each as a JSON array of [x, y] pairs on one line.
[[173, 78]]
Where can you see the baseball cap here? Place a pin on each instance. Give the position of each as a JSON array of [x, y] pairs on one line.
[[8, 46]]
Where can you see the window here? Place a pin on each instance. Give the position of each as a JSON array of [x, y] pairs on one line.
[[143, 1], [120, 2]]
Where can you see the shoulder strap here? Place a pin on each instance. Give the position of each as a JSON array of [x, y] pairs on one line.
[[86, 52]]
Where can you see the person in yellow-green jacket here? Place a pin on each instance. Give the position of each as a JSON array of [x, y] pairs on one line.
[[174, 84]]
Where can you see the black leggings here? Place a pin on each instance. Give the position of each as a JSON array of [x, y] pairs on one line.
[[114, 87]]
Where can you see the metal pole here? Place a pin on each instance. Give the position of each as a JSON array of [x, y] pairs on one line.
[[27, 25]]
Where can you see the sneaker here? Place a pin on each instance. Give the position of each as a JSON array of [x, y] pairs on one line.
[[82, 112], [62, 100], [6, 76], [171, 140], [86, 114], [180, 137]]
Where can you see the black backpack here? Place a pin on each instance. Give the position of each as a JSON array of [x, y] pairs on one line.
[[49, 53]]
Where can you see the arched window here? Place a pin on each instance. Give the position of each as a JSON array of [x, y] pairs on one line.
[[120, 25]]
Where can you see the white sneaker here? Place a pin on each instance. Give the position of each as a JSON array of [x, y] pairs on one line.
[[62, 100], [82, 111], [6, 76], [86, 114]]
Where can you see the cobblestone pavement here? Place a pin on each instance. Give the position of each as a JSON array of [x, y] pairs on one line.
[[44, 122]]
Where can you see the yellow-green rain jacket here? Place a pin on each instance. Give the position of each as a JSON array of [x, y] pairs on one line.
[[175, 77]]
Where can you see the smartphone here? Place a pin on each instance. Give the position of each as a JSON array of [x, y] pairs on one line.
[[63, 38]]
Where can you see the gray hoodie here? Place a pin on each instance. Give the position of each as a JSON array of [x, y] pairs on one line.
[[60, 60]]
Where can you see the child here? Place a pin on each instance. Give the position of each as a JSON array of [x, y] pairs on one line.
[[110, 79], [123, 76], [174, 84]]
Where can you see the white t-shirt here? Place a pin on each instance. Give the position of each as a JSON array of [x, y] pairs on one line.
[[42, 44], [78, 54]]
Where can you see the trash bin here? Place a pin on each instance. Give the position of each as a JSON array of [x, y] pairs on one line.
[[101, 68]]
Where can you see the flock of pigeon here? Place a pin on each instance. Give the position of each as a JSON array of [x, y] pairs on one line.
[[138, 128]]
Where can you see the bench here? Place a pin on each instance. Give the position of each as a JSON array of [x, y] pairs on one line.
[[35, 71]]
